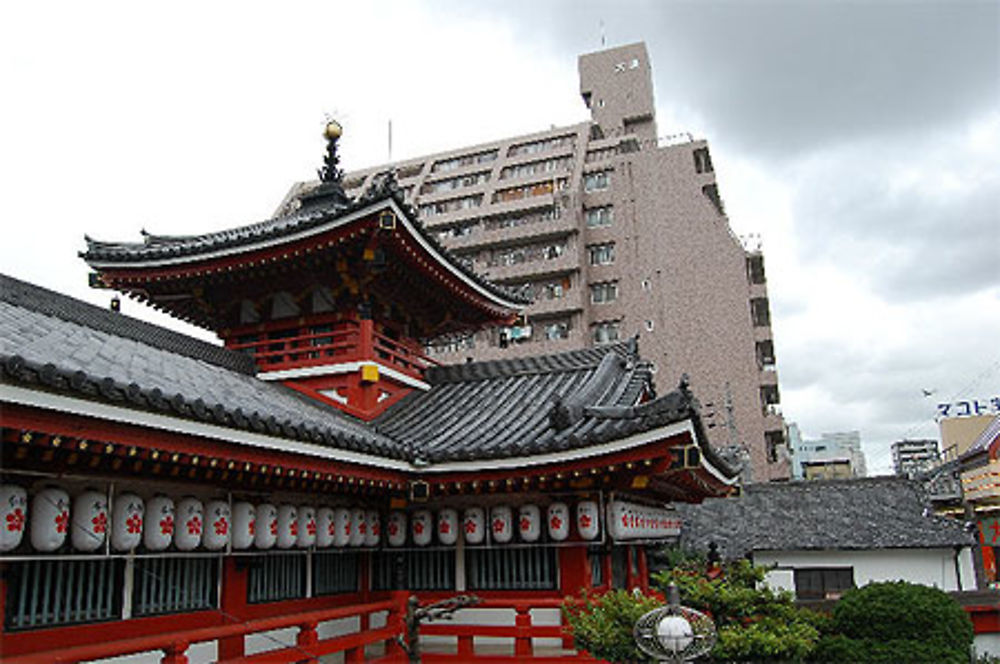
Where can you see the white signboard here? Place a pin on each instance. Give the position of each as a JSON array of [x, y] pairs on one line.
[[631, 521]]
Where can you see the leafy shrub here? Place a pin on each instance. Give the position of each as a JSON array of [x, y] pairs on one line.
[[602, 625], [897, 622]]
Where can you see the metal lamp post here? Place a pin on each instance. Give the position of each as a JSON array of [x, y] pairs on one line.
[[674, 634]]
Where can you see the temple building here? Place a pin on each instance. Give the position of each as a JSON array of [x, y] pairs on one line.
[[278, 497]]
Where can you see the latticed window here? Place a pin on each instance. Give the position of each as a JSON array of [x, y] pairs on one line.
[[602, 254], [604, 292], [530, 568], [174, 585], [45, 593], [414, 570], [335, 572], [599, 216], [597, 181], [273, 578]]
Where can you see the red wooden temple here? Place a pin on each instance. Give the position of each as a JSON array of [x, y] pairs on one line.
[[278, 498]]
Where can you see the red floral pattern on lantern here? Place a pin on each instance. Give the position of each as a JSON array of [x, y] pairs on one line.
[[167, 525], [293, 528], [470, 527], [585, 521], [332, 529], [498, 525], [362, 527], [100, 523], [347, 528], [194, 526], [221, 526], [274, 527], [15, 520], [444, 527], [62, 521], [555, 523], [134, 524], [311, 527], [418, 527], [525, 524], [393, 528], [252, 527], [375, 529]]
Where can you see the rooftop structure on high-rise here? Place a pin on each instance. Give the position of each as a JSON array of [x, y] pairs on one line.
[[613, 231], [910, 457]]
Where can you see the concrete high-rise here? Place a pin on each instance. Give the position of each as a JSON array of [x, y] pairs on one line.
[[614, 231]]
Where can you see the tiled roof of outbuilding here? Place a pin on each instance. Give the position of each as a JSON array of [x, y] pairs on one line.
[[864, 513]]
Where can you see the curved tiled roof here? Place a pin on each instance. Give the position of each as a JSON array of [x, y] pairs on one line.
[[102, 254], [864, 513], [477, 411]]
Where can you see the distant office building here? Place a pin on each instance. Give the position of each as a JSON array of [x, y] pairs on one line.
[[910, 457], [613, 231], [832, 456]]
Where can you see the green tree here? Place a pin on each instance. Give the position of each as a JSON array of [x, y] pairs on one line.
[[884, 623], [754, 622], [602, 624]]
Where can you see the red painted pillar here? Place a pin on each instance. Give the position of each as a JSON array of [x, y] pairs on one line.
[[522, 642], [393, 650], [233, 603], [357, 655], [640, 553], [306, 641], [175, 653], [573, 576]]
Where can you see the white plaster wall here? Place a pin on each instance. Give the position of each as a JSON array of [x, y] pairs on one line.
[[198, 653], [930, 567], [986, 644]]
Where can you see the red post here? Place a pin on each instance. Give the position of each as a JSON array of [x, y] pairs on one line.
[[394, 620], [522, 642], [306, 640], [233, 602], [357, 655], [175, 653], [643, 568]]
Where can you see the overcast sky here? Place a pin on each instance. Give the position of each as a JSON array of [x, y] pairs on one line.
[[861, 140]]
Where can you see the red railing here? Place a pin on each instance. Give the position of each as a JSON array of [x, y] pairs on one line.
[[522, 633], [308, 646]]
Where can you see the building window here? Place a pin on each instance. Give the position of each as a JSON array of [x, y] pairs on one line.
[[604, 292], [174, 585], [597, 181], [557, 330], [602, 254], [536, 168], [529, 190], [605, 332], [765, 354], [528, 254], [596, 558], [334, 572], [273, 578], [464, 160], [823, 582], [760, 312], [451, 205], [755, 269], [774, 439], [702, 161], [529, 568], [649, 325], [544, 145], [459, 182], [46, 593], [413, 570], [599, 216]]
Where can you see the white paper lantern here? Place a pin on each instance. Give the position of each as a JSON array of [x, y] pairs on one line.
[[396, 528], [421, 525], [557, 516], [307, 527], [49, 519], [529, 519], [190, 524], [342, 526], [218, 524], [288, 526], [127, 516], [587, 522], [13, 516], [244, 525], [265, 526], [326, 528], [90, 521], [474, 525], [158, 531], [447, 526], [501, 524], [358, 527], [374, 525]]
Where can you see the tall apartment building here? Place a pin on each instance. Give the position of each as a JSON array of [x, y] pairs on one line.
[[614, 231], [914, 456]]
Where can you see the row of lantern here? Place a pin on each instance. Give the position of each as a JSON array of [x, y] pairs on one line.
[[213, 525], [187, 524], [501, 524]]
